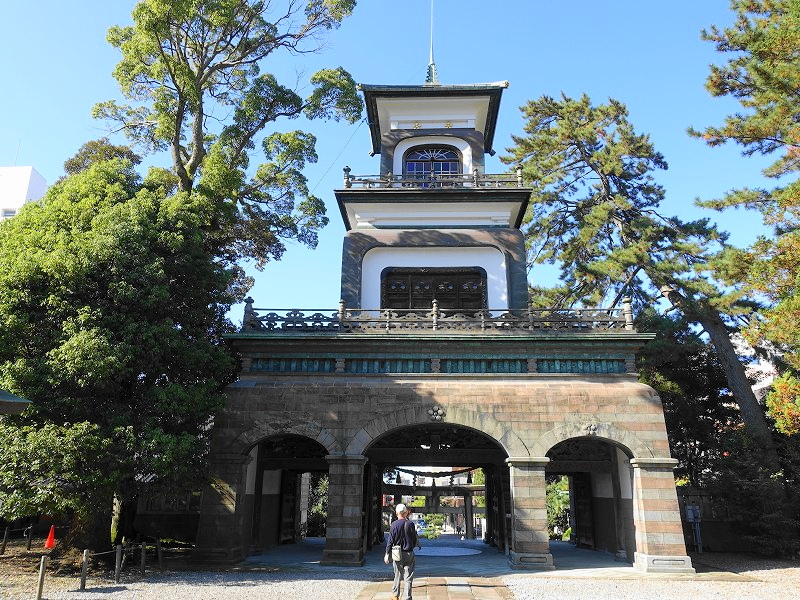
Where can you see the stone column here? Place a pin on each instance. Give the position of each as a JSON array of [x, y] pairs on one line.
[[530, 544], [344, 529], [660, 546], [220, 532], [469, 517]]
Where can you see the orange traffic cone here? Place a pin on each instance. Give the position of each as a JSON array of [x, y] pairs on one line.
[[50, 542]]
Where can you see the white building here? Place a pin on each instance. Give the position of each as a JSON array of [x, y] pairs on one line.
[[19, 185]]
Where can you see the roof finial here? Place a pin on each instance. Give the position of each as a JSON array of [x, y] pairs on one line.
[[432, 78]]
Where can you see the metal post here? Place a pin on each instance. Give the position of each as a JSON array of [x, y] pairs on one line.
[[160, 556], [5, 540], [144, 557], [84, 568], [118, 564], [29, 534], [42, 571], [347, 182]]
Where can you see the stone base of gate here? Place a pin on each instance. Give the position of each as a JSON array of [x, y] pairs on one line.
[[342, 558], [520, 560], [655, 563]]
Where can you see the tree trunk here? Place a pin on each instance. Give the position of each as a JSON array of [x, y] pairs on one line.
[[749, 408], [92, 531], [122, 520]]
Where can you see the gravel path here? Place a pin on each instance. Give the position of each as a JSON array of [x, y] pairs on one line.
[[720, 577], [642, 589], [746, 578], [225, 586]]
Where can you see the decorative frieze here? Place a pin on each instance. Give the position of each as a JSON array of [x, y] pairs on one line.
[[451, 365]]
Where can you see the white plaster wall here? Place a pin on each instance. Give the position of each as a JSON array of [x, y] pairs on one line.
[[602, 486], [433, 214], [490, 259], [250, 481], [462, 146], [271, 482], [625, 474]]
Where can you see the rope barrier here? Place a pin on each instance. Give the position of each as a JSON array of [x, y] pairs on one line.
[[121, 552]]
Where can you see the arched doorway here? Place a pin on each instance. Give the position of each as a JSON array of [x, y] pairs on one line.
[[600, 493], [281, 477], [452, 455]]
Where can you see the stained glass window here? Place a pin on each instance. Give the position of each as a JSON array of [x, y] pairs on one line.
[[421, 163]]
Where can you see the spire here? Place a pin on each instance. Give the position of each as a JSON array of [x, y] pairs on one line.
[[432, 77]]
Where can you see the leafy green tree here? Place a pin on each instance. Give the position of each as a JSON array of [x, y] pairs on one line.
[[111, 315], [193, 71], [95, 151], [318, 505], [594, 211], [685, 372], [763, 74], [434, 522], [763, 500], [557, 500]]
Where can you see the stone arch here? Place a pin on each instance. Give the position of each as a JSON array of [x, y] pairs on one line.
[[502, 434], [262, 429], [606, 431]]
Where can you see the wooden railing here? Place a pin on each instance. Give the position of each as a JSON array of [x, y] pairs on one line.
[[359, 320], [433, 181]]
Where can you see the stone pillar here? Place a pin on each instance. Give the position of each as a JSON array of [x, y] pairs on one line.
[[530, 544], [660, 546], [469, 517], [220, 532], [344, 530]]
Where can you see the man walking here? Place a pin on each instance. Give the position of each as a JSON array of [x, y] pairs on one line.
[[400, 549]]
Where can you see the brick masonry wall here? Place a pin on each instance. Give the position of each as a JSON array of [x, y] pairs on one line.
[[527, 414]]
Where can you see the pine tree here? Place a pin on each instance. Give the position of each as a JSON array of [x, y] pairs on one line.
[[594, 211], [763, 74]]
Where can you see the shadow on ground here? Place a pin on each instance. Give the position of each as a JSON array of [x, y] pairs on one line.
[[447, 556]]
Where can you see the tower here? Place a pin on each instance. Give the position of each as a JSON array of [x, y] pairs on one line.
[[433, 224], [434, 357]]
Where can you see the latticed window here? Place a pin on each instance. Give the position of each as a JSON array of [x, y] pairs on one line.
[[421, 163], [454, 288]]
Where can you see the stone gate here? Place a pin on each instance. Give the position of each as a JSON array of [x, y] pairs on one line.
[[434, 357]]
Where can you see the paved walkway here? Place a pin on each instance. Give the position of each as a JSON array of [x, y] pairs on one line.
[[449, 568], [443, 588]]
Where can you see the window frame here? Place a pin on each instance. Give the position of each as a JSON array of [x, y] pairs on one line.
[[427, 176], [389, 299]]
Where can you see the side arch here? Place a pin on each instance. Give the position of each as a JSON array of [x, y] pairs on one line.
[[496, 430], [607, 431], [263, 429]]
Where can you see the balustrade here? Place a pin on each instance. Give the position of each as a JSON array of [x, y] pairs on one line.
[[433, 181], [486, 321]]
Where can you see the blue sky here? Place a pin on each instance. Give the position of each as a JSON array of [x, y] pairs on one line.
[[56, 64]]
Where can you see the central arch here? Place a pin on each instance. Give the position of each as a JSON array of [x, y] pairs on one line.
[[449, 453], [484, 423]]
